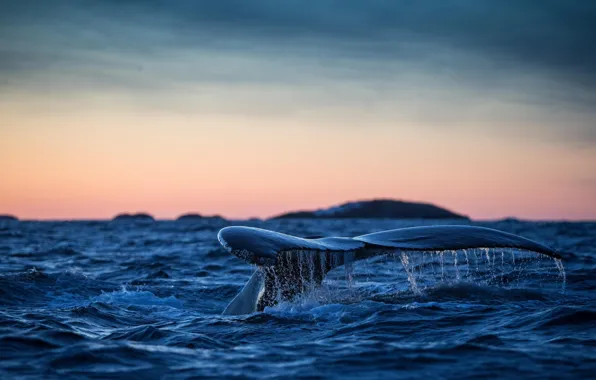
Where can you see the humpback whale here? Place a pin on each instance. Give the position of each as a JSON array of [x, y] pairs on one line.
[[288, 265]]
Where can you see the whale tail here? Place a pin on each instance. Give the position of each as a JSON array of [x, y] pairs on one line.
[[288, 265]]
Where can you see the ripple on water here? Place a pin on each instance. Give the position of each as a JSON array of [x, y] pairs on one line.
[[100, 299]]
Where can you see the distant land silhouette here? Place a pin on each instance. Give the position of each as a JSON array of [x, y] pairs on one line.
[[377, 209], [138, 217], [191, 217], [371, 209]]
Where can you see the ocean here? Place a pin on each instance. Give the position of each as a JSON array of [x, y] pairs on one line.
[[103, 299]]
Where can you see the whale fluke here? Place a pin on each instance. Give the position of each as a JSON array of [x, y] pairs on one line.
[[287, 265]]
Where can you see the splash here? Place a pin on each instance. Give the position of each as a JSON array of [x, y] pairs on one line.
[[136, 298], [498, 267], [349, 268], [300, 272], [405, 260], [298, 275], [562, 274]]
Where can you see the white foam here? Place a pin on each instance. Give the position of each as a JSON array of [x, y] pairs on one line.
[[137, 298]]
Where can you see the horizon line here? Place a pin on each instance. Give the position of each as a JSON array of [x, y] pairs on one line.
[[156, 219], [308, 209]]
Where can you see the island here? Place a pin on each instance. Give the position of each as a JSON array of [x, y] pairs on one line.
[[8, 218], [193, 217], [376, 209], [138, 217]]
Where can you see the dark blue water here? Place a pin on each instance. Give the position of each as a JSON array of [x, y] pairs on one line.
[[109, 299]]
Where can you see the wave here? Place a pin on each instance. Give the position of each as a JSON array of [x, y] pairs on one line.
[[59, 251], [465, 291], [472, 318], [570, 317], [137, 298], [139, 334], [19, 343]]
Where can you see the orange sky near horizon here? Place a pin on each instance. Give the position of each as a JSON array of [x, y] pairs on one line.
[[96, 161]]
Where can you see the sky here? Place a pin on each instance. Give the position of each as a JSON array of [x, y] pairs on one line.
[[253, 108]]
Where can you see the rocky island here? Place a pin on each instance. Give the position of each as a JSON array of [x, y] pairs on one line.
[[193, 217], [377, 209], [8, 218], [138, 217]]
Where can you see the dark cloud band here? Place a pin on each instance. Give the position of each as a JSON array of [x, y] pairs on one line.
[[556, 35]]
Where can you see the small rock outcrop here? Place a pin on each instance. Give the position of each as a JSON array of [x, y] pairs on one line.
[[138, 217], [193, 217]]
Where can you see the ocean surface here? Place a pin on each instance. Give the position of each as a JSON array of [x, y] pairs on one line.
[[144, 300]]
